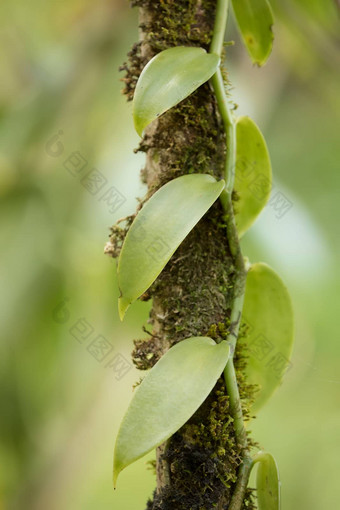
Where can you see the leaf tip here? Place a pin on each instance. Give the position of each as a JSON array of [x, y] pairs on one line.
[[116, 472], [260, 62], [139, 126], [118, 464], [123, 305]]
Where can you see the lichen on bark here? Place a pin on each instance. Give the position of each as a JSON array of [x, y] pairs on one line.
[[197, 468]]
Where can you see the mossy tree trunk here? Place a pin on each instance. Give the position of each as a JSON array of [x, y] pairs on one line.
[[197, 468]]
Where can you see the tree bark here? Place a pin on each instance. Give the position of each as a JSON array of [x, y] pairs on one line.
[[197, 468]]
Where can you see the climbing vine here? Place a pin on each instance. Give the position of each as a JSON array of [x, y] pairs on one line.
[[182, 407]]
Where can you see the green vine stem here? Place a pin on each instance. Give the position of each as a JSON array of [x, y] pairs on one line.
[[234, 245], [229, 126], [221, 18], [241, 484], [243, 478]]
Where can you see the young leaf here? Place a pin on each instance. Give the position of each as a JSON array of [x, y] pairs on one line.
[[159, 228], [255, 20], [267, 482], [167, 79], [253, 173], [268, 313], [168, 396]]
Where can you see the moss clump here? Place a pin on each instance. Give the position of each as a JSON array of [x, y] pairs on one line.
[[133, 67], [180, 22], [117, 236], [147, 352], [247, 391]]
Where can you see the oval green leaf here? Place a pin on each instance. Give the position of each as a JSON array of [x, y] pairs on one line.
[[159, 228], [168, 396], [269, 316], [267, 482], [253, 174], [167, 79], [255, 20]]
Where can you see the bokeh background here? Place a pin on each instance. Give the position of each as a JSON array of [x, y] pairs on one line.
[[61, 109]]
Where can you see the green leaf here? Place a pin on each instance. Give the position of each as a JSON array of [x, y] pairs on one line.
[[267, 482], [253, 174], [167, 79], [255, 20], [159, 228], [168, 396], [268, 314]]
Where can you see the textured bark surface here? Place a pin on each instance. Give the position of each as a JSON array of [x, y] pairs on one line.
[[197, 468]]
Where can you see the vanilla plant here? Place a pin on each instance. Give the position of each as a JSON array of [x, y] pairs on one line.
[[221, 328]]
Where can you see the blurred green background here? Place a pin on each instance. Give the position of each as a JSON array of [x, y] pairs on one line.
[[65, 376]]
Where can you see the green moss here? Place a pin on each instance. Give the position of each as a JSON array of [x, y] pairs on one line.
[[180, 22], [117, 236], [147, 352]]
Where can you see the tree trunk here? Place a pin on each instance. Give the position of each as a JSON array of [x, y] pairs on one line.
[[197, 468]]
